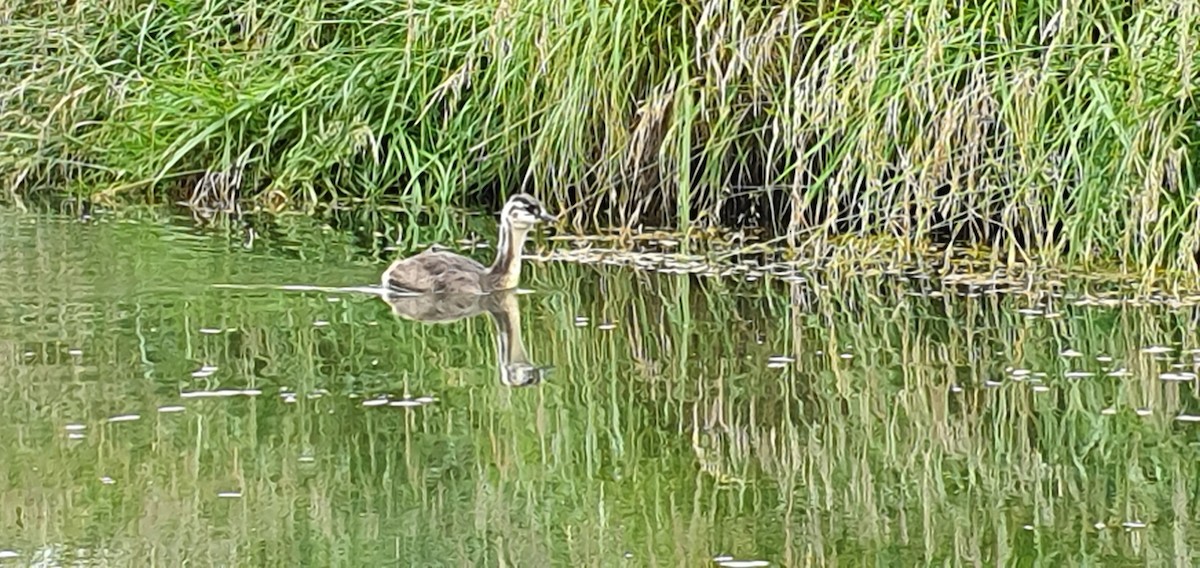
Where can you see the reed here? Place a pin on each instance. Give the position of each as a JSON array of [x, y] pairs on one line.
[[1061, 131]]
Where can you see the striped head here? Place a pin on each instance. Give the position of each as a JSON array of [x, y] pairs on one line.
[[523, 211]]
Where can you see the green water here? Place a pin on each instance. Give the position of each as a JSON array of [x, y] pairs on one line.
[[151, 417]]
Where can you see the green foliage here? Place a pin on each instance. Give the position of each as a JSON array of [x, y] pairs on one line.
[[1069, 129]]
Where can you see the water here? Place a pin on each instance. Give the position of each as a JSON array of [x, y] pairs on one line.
[[180, 396]]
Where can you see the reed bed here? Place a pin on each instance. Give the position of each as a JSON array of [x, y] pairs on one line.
[[1058, 131]]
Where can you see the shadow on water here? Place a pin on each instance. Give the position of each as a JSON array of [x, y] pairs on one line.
[[151, 417]]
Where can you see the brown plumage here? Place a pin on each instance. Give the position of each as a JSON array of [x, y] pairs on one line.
[[441, 271]]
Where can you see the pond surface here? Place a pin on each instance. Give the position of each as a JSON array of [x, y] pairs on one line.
[[173, 396]]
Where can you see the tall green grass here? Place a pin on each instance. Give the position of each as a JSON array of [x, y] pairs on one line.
[[1065, 128]]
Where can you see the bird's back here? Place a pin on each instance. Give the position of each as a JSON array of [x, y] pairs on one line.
[[435, 271]]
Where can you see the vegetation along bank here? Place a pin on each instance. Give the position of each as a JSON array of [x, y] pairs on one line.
[[1066, 129]]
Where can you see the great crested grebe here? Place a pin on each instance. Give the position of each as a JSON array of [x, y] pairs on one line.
[[442, 271]]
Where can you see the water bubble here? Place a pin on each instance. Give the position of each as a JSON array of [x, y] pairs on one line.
[[1156, 349], [1131, 525], [1188, 418], [210, 330], [8, 554], [1177, 377], [407, 403], [375, 402], [107, 480], [775, 361], [743, 563], [1143, 412], [320, 323], [222, 393], [1070, 353], [75, 427], [1078, 374], [229, 494], [170, 409], [124, 418], [204, 371]]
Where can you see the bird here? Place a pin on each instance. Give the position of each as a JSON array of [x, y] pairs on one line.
[[439, 271]]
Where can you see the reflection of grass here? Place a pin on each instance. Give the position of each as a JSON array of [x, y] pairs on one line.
[[667, 435]]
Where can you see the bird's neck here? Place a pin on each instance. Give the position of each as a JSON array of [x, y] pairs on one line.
[[506, 269]]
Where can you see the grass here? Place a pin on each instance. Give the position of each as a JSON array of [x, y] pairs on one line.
[[1053, 132]]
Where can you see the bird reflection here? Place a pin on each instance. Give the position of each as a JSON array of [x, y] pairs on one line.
[[516, 370]]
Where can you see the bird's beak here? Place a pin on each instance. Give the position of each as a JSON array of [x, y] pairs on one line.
[[547, 217]]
